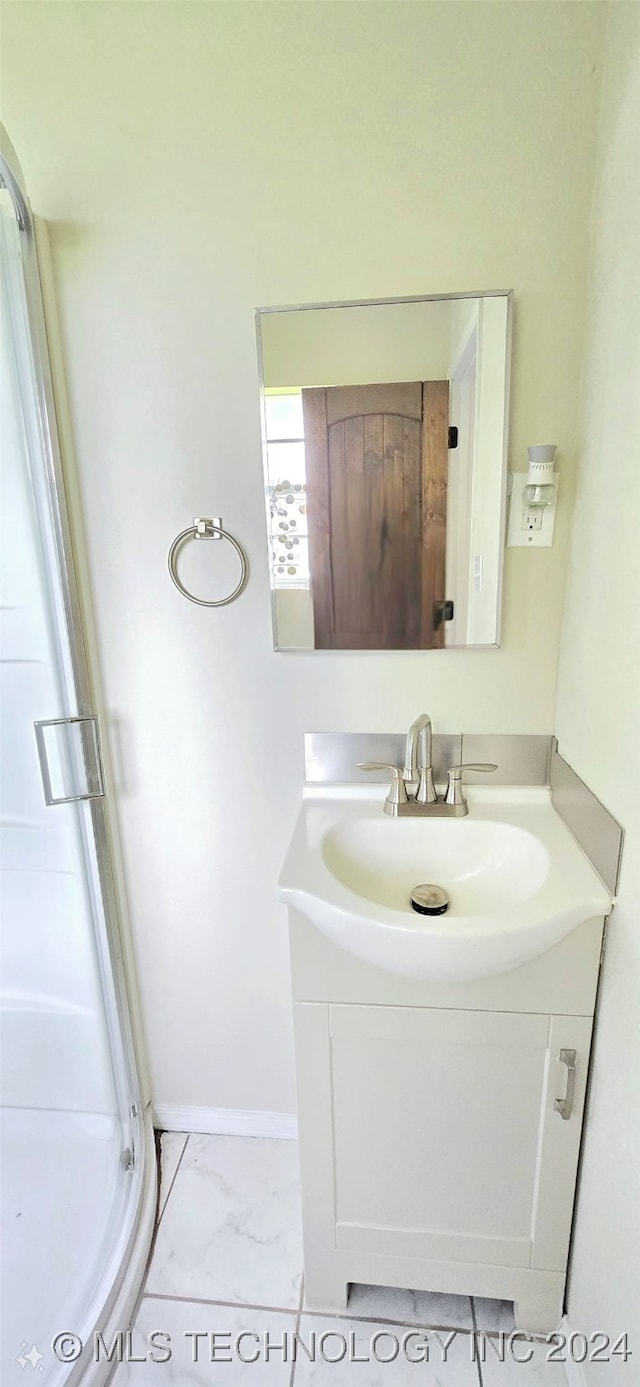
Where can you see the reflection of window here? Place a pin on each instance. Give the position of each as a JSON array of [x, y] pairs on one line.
[[286, 489]]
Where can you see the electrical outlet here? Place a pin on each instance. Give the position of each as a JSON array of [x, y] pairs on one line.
[[529, 526]]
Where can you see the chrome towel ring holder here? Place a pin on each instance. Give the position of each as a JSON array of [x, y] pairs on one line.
[[206, 528]]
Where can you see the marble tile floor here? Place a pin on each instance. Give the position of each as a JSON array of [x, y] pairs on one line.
[[223, 1299]]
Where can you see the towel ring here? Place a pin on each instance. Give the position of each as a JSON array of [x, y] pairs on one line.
[[207, 529]]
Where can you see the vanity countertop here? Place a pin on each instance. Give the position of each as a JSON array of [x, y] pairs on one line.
[[517, 880]]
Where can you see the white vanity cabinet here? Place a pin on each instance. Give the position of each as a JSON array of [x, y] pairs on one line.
[[439, 1125]]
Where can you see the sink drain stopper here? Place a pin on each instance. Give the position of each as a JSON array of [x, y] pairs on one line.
[[429, 900]]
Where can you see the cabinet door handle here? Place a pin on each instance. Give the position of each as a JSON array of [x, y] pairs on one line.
[[564, 1105]]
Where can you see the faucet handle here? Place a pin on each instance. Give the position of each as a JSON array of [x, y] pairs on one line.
[[398, 791], [454, 793]]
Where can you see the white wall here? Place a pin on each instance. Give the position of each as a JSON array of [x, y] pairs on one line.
[[598, 719], [196, 161]]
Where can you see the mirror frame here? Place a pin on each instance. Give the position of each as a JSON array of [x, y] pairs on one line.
[[507, 294]]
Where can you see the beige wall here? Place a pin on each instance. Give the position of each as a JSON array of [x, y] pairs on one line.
[[598, 718], [357, 346], [487, 485], [197, 160]]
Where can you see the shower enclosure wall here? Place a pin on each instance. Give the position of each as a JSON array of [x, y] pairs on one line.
[[77, 1171]]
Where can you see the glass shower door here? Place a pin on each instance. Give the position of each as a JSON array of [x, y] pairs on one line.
[[70, 1129]]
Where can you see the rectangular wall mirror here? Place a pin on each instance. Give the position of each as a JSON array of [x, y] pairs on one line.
[[385, 430]]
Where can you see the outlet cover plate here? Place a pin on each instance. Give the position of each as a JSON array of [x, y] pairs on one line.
[[529, 539]]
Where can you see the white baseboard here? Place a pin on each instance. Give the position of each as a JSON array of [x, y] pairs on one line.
[[227, 1122], [575, 1373]]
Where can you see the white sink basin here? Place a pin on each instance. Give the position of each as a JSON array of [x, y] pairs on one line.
[[517, 880], [485, 866]]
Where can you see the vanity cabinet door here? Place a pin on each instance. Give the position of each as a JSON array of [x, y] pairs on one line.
[[446, 1142]]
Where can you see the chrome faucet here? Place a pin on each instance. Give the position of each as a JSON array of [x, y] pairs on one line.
[[418, 768], [418, 760]]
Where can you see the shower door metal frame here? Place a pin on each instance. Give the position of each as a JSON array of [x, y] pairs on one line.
[[109, 947]]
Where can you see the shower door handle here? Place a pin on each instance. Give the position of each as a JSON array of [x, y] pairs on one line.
[[79, 762]]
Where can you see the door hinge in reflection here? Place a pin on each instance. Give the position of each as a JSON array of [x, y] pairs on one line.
[[452, 437], [126, 1158], [443, 611]]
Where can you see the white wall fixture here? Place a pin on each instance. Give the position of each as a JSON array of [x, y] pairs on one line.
[[534, 496]]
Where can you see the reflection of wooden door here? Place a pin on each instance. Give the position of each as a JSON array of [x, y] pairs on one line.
[[376, 465]]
